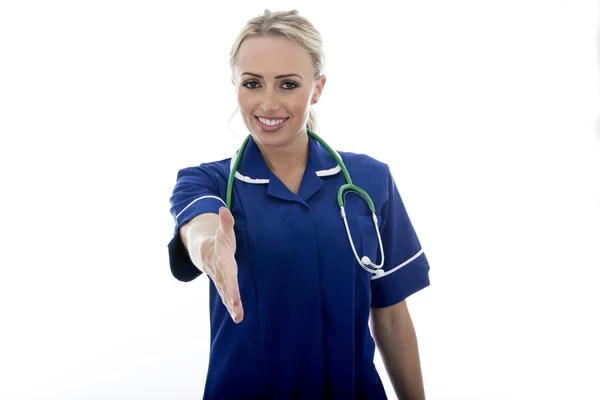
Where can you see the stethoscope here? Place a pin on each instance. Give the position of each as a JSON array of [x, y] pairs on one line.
[[343, 190]]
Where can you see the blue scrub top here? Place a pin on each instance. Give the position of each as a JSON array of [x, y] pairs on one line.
[[305, 332]]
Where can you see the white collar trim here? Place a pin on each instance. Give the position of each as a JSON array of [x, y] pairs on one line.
[[247, 179]]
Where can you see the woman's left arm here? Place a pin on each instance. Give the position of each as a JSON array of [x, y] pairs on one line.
[[396, 340]]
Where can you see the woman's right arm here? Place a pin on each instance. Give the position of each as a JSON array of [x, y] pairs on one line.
[[210, 241]]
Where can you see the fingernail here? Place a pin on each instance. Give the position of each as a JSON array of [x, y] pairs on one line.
[[233, 315]]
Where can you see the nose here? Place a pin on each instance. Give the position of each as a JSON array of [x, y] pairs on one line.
[[269, 102]]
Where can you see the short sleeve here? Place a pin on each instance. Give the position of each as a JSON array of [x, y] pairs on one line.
[[405, 265], [195, 193]]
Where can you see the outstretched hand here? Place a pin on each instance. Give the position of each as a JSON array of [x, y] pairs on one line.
[[222, 268]]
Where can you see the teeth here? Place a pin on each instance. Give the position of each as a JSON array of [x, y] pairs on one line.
[[271, 122]]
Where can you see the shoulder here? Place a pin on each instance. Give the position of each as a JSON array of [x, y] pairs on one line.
[[370, 174], [215, 171], [360, 163]]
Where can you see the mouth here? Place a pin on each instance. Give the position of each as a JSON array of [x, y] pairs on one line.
[[270, 124]]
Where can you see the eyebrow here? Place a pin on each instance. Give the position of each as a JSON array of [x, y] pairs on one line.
[[277, 77]]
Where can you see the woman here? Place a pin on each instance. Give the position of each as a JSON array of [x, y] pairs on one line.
[[291, 292]]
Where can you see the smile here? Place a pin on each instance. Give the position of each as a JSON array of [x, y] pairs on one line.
[[270, 124]]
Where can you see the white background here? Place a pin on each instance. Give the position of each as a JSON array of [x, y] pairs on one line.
[[487, 112]]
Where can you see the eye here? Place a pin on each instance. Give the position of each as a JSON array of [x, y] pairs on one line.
[[293, 85], [250, 84], [289, 85]]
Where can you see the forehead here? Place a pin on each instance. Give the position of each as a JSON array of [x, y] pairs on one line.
[[273, 55]]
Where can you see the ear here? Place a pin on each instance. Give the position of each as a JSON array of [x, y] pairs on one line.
[[320, 85]]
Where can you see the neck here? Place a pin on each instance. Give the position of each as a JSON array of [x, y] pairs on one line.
[[288, 157]]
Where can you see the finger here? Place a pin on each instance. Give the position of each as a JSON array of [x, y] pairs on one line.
[[209, 269], [222, 294], [226, 227], [225, 299], [233, 290], [222, 271], [225, 242], [227, 220], [219, 281], [238, 312], [230, 280]]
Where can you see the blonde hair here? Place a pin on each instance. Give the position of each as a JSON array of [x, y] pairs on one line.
[[296, 28]]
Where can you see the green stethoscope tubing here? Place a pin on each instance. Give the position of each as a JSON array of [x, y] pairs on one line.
[[349, 186], [340, 199]]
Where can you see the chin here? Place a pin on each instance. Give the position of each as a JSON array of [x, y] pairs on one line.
[[275, 138], [271, 139]]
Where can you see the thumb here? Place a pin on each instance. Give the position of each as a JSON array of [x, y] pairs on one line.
[[226, 219]]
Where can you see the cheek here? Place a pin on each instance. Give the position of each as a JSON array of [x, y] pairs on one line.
[[246, 104], [300, 104], [242, 100], [297, 104]]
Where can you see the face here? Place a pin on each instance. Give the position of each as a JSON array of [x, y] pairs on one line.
[[275, 85]]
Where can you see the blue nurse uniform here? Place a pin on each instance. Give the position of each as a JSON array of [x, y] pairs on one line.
[[305, 332]]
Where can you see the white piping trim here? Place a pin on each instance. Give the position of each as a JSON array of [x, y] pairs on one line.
[[398, 267], [247, 179], [241, 177], [199, 198], [329, 172]]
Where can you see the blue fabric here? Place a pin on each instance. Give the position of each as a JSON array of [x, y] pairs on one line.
[[305, 333]]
